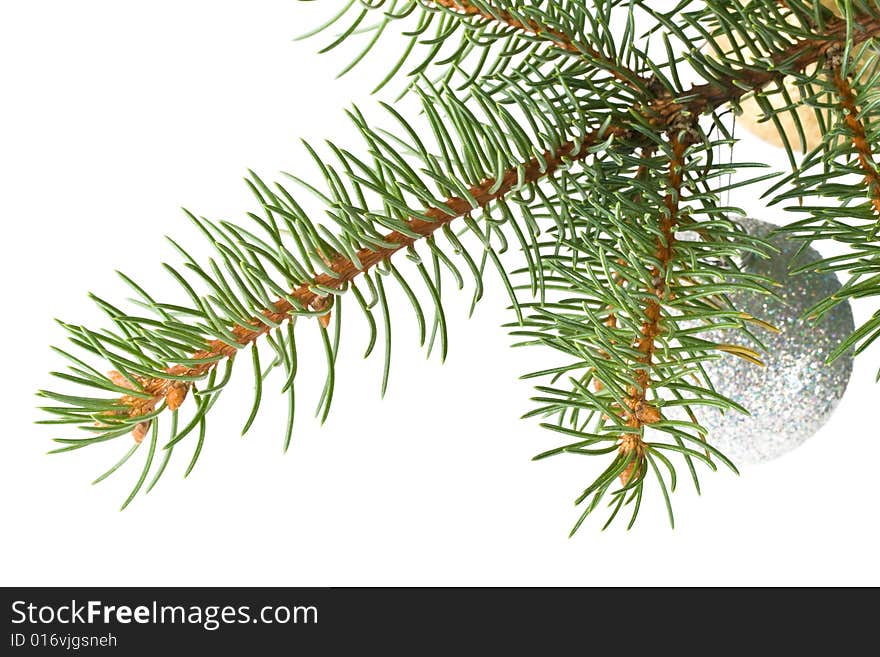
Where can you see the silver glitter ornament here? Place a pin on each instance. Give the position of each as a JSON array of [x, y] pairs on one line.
[[790, 398]]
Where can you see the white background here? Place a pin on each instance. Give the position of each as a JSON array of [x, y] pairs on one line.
[[115, 114]]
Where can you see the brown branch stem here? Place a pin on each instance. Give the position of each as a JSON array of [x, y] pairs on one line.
[[557, 38], [639, 412], [852, 119], [344, 270], [709, 96]]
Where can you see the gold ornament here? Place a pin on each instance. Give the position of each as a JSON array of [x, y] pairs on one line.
[[753, 117]]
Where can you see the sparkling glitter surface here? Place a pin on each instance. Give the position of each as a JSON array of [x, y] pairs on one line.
[[795, 394]]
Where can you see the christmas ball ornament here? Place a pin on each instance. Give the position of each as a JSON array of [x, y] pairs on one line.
[[795, 393]]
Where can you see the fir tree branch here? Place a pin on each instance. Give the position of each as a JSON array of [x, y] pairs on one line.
[[729, 88], [530, 25], [173, 391], [858, 134], [632, 298], [559, 39], [843, 171], [639, 412]]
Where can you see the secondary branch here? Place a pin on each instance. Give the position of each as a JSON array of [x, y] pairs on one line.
[[639, 411], [558, 38], [853, 121]]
